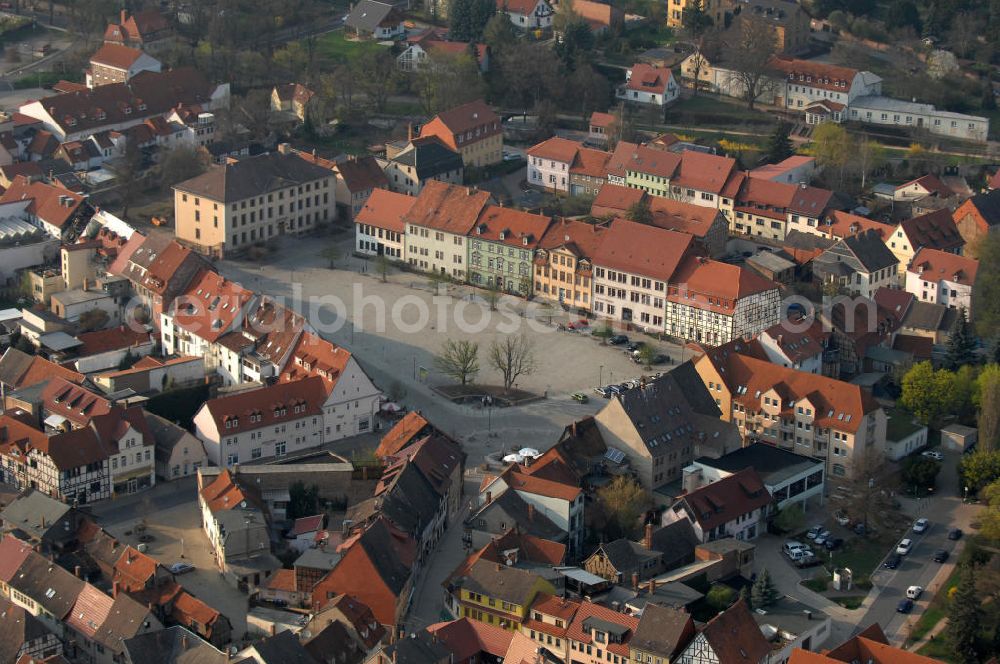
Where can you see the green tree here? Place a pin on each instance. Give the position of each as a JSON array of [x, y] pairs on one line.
[[639, 211], [458, 360], [990, 517], [468, 18], [499, 34], [961, 343], [302, 500], [987, 400], [986, 291], [577, 40], [512, 357], [979, 469], [779, 147], [901, 13], [963, 618], [646, 355], [720, 597], [763, 593], [695, 19], [791, 518], [920, 472], [831, 147], [927, 393], [623, 502]]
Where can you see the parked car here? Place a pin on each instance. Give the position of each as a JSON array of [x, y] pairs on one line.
[[834, 543], [955, 534], [904, 606], [603, 391], [579, 396], [914, 592], [932, 454], [808, 559], [633, 346], [905, 546], [279, 602], [618, 340], [660, 359], [860, 529], [940, 556], [823, 537], [181, 568], [921, 525], [813, 532], [792, 546], [892, 562], [616, 389]]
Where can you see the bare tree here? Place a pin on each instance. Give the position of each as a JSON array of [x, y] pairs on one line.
[[749, 57], [458, 360], [701, 60], [867, 498], [513, 357]]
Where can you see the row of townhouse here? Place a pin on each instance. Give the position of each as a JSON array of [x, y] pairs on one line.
[[104, 455], [618, 271], [823, 92]]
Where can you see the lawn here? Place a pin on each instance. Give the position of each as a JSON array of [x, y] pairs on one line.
[[336, 47], [712, 110], [852, 602], [862, 555]]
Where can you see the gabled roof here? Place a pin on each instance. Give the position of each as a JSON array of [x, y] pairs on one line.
[[578, 237], [53, 205], [361, 174], [735, 637], [223, 493], [90, 610], [929, 183], [316, 357], [815, 74], [460, 119], [275, 404], [645, 77], [934, 265], [49, 585], [868, 248], [663, 630], [447, 207], [616, 197], [727, 499], [368, 15], [210, 306], [517, 546], [468, 639], [17, 628], [696, 220], [840, 224], [139, 27], [405, 431], [18, 369], [77, 404], [102, 341], [984, 207], [515, 228], [522, 482], [502, 582], [643, 250], [625, 555], [714, 286], [147, 94], [173, 645], [294, 92], [703, 171], [116, 56], [514, 510], [579, 629], [558, 149], [525, 7], [252, 176], [429, 157], [936, 230]]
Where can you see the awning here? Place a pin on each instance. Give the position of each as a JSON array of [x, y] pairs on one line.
[[583, 576], [55, 421]]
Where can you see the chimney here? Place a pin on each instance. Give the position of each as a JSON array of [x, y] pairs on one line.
[[114, 589], [647, 540], [652, 586], [635, 580], [409, 132], [122, 18], [184, 642], [76, 571], [531, 512], [489, 497]]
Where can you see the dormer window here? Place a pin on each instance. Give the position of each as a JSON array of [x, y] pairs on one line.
[[128, 110], [142, 107]]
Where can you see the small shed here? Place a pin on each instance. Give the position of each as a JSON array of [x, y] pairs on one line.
[[958, 437]]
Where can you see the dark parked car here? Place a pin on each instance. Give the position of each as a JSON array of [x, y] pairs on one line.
[[904, 606], [633, 346], [809, 560], [955, 534], [660, 359], [892, 562], [940, 556], [834, 543], [618, 340], [860, 529]]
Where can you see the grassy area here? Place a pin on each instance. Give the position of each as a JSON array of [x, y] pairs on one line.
[[712, 110], [43, 79], [336, 47], [818, 583], [861, 555], [935, 610], [852, 602], [937, 649]]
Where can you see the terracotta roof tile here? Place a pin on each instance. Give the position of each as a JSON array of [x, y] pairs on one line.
[[54, 205], [558, 149], [647, 78], [935, 229], [578, 632], [447, 207], [644, 250], [271, 405], [210, 305], [934, 265], [510, 226], [824, 76], [102, 341], [116, 56], [724, 500], [404, 432], [735, 637], [385, 209], [315, 356], [714, 286]]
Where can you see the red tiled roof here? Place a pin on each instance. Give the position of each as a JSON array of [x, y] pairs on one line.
[[687, 218], [511, 226], [466, 638], [91, 608], [401, 434], [116, 56], [643, 250], [815, 74], [447, 207], [223, 493], [581, 238], [525, 7], [188, 609], [361, 174], [133, 569], [647, 78], [12, 553], [558, 149], [839, 405], [601, 119], [446, 125], [282, 580], [519, 481], [274, 404], [839, 224], [735, 636], [210, 305], [307, 524], [704, 172], [77, 404], [454, 48], [935, 265], [615, 198], [727, 499], [799, 345], [39, 370], [590, 162], [316, 357], [102, 341], [560, 607], [54, 205], [713, 285], [931, 184], [385, 209], [642, 159], [587, 610], [935, 229]]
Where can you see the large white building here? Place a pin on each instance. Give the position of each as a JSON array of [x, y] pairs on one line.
[[940, 277]]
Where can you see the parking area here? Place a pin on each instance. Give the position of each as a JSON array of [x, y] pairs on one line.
[[177, 536]]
